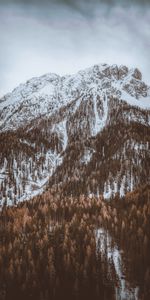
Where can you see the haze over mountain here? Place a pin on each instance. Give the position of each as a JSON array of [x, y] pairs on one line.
[[64, 36]]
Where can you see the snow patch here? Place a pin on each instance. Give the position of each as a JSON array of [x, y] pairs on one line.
[[105, 246], [142, 102], [86, 158], [48, 90]]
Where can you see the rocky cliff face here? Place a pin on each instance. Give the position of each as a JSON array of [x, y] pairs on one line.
[[85, 133]]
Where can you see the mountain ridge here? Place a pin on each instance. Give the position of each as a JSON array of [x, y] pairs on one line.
[[48, 93]]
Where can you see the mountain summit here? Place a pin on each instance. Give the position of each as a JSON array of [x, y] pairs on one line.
[[82, 133]]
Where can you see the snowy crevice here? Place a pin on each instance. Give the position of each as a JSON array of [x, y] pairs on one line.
[[61, 130], [99, 122]]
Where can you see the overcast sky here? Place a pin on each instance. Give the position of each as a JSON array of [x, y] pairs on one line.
[[37, 37]]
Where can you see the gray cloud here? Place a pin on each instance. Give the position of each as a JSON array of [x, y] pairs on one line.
[[65, 36]]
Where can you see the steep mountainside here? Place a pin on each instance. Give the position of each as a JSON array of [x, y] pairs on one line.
[[85, 133]]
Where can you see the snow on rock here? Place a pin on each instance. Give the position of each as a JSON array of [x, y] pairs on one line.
[[107, 191], [142, 102], [48, 89]]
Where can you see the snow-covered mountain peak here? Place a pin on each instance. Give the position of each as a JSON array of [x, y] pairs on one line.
[[45, 95]]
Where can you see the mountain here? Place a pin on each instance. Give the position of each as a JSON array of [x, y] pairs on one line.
[[84, 133]]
